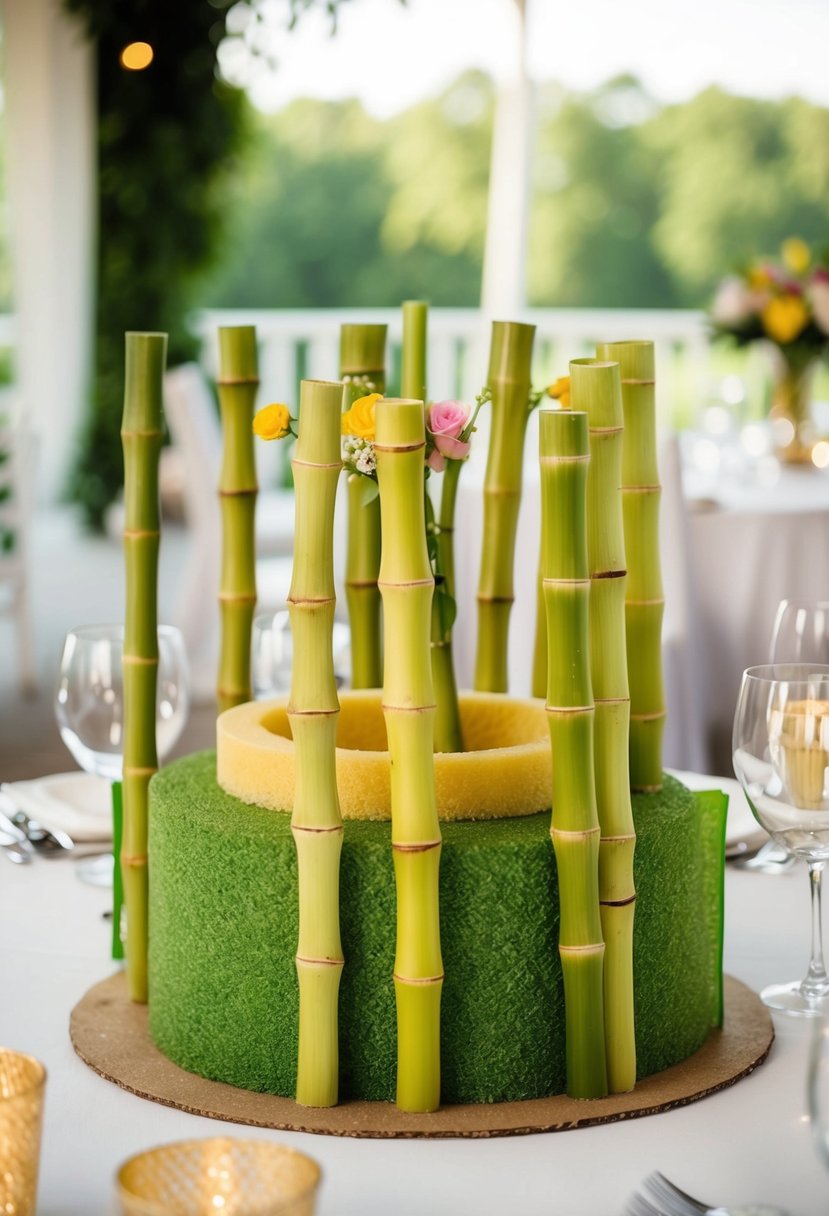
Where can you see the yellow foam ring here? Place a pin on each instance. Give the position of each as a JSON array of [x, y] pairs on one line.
[[506, 771]]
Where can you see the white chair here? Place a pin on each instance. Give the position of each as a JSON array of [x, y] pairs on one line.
[[16, 502], [195, 430]]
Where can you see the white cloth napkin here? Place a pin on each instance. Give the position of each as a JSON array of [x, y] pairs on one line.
[[740, 824], [77, 803]]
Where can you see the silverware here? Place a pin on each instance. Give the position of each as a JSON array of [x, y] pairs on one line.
[[665, 1198], [17, 851], [34, 839], [48, 842], [13, 841]]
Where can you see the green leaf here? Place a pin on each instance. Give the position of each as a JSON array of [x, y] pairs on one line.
[[370, 490]]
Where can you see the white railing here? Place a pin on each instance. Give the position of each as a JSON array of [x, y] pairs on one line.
[[297, 344]]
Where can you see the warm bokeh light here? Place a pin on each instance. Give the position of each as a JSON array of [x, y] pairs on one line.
[[136, 56], [820, 454]]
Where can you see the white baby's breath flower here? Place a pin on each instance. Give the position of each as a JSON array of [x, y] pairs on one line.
[[366, 460]]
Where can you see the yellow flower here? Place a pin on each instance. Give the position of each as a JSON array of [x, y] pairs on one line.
[[272, 422], [796, 255], [785, 317], [359, 420], [759, 277], [560, 390]]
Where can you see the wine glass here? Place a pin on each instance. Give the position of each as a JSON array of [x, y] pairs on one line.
[[272, 654], [781, 759], [89, 704], [817, 1089], [801, 632]]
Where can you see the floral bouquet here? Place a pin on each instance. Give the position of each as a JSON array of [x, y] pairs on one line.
[[784, 302]]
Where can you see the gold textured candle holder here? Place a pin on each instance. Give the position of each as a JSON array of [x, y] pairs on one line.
[[22, 1081], [224, 1175], [804, 744]]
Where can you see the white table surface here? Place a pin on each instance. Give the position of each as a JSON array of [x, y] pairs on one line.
[[751, 1141]]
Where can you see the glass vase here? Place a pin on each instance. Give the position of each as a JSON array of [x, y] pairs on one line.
[[791, 408]]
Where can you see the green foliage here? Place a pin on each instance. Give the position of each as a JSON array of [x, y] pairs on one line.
[[737, 177], [338, 209], [166, 146], [634, 205]]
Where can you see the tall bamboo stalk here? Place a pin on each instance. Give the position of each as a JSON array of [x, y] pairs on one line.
[[406, 584], [142, 433], [645, 603], [596, 389], [313, 711], [539, 672], [362, 366], [448, 734], [570, 716], [509, 382], [413, 355], [237, 384]]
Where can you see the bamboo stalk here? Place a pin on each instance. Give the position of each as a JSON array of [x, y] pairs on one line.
[[509, 382], [407, 585], [362, 367], [448, 728], [644, 605], [142, 433], [539, 672], [596, 389], [570, 715], [313, 711], [413, 361], [237, 385]]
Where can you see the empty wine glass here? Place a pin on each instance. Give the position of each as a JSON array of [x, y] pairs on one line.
[[817, 1089], [781, 759], [272, 654], [801, 632], [89, 706]]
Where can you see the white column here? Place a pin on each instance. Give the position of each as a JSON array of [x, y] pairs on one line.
[[50, 127], [503, 291]]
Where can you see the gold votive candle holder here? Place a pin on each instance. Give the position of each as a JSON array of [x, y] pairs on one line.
[[22, 1082], [223, 1176], [804, 746]]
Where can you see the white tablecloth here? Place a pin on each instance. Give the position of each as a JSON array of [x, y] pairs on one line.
[[751, 1141], [752, 546]]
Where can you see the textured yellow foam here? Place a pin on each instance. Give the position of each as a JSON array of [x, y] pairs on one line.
[[505, 772]]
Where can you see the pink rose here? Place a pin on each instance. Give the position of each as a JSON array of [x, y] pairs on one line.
[[444, 422]]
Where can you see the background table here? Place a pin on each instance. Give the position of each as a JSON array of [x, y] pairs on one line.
[[752, 543], [749, 1141]]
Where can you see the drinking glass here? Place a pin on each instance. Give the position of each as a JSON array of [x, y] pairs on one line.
[[817, 1094], [237, 1177], [89, 702], [801, 632], [22, 1082], [89, 708], [272, 654], [781, 759]]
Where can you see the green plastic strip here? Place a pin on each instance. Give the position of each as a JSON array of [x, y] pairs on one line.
[[117, 880], [713, 805]]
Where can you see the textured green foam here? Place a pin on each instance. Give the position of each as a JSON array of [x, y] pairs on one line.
[[223, 931]]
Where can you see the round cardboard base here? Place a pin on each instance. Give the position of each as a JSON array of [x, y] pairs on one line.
[[109, 1032]]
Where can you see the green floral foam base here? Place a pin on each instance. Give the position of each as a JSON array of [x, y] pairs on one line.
[[223, 932]]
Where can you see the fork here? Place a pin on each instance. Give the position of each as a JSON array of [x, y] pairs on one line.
[[665, 1198]]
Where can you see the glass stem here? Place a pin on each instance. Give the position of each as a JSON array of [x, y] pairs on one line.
[[816, 983]]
